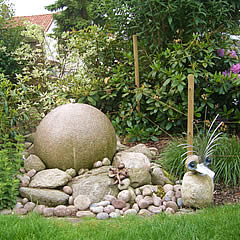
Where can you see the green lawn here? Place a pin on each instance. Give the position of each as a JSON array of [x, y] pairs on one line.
[[218, 223]]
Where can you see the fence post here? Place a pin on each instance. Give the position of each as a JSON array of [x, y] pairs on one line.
[[135, 52], [190, 113]]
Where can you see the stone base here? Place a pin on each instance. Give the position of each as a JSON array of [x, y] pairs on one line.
[[197, 190]]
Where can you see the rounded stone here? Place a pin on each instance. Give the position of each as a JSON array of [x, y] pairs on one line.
[[74, 136], [82, 202], [124, 195], [68, 190], [102, 216]]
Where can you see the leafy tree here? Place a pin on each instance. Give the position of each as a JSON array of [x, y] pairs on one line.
[[77, 14], [9, 40]]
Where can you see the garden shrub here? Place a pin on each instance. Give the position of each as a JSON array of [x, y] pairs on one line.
[[10, 163]]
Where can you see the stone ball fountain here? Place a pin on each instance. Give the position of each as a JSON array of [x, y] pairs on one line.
[[74, 136]]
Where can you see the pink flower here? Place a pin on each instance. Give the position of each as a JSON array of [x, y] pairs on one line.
[[235, 68], [220, 52], [233, 54]]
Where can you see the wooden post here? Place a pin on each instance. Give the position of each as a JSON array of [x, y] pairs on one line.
[[190, 113], [135, 52]]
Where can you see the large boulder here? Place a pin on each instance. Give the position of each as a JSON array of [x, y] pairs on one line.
[[50, 178], [197, 190], [95, 184], [74, 136], [46, 197]]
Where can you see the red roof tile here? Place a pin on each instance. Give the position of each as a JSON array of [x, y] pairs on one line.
[[44, 20]]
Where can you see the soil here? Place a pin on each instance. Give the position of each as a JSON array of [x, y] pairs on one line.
[[222, 194]]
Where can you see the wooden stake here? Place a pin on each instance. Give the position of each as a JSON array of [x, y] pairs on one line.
[[190, 113], [135, 52]]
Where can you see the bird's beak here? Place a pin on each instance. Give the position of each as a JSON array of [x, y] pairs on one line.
[[201, 168]]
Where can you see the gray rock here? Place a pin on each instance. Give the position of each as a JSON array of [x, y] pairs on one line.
[[126, 208], [124, 195], [29, 206], [82, 214], [143, 204], [31, 173], [131, 160], [158, 176], [103, 203], [154, 209], [48, 212], [68, 190], [70, 200], [109, 198], [154, 188], [97, 164], [136, 207], [18, 205], [106, 162], [39, 209], [46, 197], [125, 184], [31, 149], [138, 191], [139, 177], [114, 215], [177, 188], [168, 196], [95, 184], [119, 204], [74, 136], [20, 211], [168, 187], [108, 209], [82, 202], [102, 216], [34, 162], [144, 212], [62, 211], [171, 205], [5, 212], [72, 172], [149, 199], [157, 201], [179, 202], [27, 145], [197, 190], [138, 198], [141, 148], [50, 178], [97, 209], [73, 210], [24, 201], [169, 211], [147, 191], [130, 212], [132, 193]]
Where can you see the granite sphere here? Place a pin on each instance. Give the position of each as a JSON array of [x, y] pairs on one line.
[[74, 136]]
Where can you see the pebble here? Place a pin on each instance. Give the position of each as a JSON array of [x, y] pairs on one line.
[[68, 190], [179, 202], [127, 207], [62, 211], [20, 211], [125, 184], [109, 198], [24, 201], [157, 201], [82, 202], [106, 162], [31, 173], [138, 198], [39, 209], [48, 212], [130, 212], [147, 191], [85, 214], [97, 209], [167, 187], [71, 200], [118, 203], [138, 191], [124, 195], [29, 206], [114, 215], [103, 203], [102, 216], [135, 206], [73, 210], [169, 211], [143, 203], [172, 205], [154, 209], [109, 209], [149, 199], [97, 164], [144, 212], [72, 172]]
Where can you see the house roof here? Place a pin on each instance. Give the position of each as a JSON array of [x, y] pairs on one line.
[[44, 20]]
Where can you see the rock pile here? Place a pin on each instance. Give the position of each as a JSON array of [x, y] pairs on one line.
[[101, 192]]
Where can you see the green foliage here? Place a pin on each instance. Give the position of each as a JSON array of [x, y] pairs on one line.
[[10, 162], [225, 159]]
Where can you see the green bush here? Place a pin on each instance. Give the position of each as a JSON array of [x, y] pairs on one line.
[[225, 159], [10, 163]]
